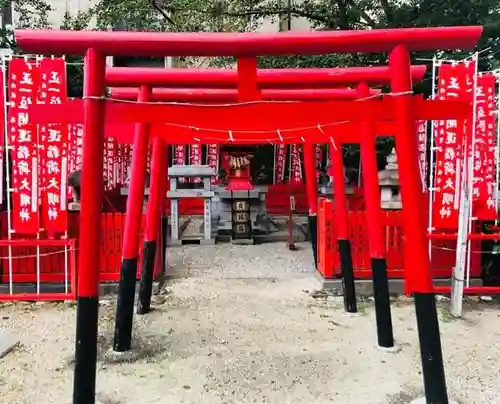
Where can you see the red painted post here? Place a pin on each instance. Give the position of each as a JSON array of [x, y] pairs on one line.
[[157, 189], [90, 230], [309, 150], [385, 335], [342, 221], [417, 270], [131, 236], [248, 89]]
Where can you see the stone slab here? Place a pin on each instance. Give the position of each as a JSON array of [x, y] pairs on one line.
[[242, 241], [191, 171], [422, 400], [364, 287], [190, 193], [7, 342]]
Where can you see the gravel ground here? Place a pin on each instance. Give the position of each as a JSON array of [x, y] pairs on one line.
[[240, 325]]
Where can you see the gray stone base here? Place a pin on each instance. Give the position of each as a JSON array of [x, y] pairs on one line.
[[243, 241], [190, 240], [422, 400], [7, 342], [364, 287]]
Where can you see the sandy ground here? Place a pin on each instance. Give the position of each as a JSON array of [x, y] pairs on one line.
[[216, 338]]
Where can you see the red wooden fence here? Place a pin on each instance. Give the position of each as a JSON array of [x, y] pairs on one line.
[[443, 252]]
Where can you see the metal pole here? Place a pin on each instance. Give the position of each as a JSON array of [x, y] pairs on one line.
[[431, 164], [471, 169]]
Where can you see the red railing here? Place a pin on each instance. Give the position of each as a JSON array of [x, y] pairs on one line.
[[36, 262], [443, 252]]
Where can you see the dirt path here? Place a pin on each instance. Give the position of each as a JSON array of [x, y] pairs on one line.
[[215, 340]]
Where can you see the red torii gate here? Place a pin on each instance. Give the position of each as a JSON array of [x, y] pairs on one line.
[[247, 70], [304, 78], [96, 45], [217, 95]]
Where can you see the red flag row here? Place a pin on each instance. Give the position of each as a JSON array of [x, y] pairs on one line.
[[454, 138]]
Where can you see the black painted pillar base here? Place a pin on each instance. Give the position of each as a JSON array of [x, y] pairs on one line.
[[146, 285], [313, 235], [430, 348], [125, 306], [87, 316], [385, 334], [347, 276]]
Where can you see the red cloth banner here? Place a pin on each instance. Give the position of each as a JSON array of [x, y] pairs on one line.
[[279, 164], [422, 151], [319, 159], [180, 158], [295, 165], [109, 162], [213, 159], [53, 149], [23, 78], [449, 137], [484, 149], [2, 128], [195, 159], [75, 134]]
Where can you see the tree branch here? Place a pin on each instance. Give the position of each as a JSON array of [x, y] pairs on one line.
[[157, 7], [263, 12], [387, 11]]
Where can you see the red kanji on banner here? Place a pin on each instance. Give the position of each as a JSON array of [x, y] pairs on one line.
[[180, 158], [23, 78], [422, 150], [449, 142], [2, 122], [195, 158], [319, 159], [53, 151], [484, 150], [295, 165], [109, 159], [280, 163], [213, 159]]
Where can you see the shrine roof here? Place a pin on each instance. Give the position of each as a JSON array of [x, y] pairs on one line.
[[245, 44], [266, 78]]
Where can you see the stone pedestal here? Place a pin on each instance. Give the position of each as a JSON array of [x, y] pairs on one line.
[[224, 205], [390, 197], [176, 193]]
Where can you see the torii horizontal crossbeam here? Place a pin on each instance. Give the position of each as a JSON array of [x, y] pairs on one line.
[[255, 116], [266, 78], [110, 43], [342, 133], [208, 95]]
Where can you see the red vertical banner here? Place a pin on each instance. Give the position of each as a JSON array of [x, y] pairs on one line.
[[295, 165], [180, 158], [449, 143], [422, 151], [53, 149], [2, 128], [213, 159], [319, 159], [195, 159], [484, 156], [109, 162], [23, 78], [279, 164]]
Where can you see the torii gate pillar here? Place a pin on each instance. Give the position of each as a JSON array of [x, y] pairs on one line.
[[87, 314], [417, 271]]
